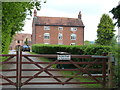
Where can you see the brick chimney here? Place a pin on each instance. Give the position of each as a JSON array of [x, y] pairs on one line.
[[35, 13], [79, 15]]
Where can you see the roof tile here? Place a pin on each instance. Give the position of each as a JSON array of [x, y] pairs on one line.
[[42, 20]]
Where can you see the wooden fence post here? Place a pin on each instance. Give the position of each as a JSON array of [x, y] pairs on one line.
[[104, 70], [18, 67], [110, 71]]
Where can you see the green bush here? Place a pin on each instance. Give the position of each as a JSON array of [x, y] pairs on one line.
[[116, 52], [81, 50]]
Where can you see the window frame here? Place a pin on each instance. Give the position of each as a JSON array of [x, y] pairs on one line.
[[60, 28], [59, 37], [73, 28], [60, 43], [18, 41], [73, 44], [46, 27], [47, 35], [72, 36], [46, 43]]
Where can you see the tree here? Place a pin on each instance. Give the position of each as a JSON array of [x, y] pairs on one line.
[[116, 15], [86, 42], [13, 16], [116, 12], [26, 41], [105, 30]]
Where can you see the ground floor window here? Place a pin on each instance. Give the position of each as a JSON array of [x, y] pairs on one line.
[[72, 44], [60, 43], [46, 43], [73, 36], [60, 36], [46, 36]]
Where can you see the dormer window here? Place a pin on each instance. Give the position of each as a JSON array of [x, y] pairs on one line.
[[46, 27]]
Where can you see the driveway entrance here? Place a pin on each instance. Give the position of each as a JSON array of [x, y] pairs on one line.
[[30, 71]]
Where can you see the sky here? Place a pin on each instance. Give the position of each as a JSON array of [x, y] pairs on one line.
[[91, 10]]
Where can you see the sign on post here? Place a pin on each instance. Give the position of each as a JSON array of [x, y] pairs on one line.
[[64, 57]]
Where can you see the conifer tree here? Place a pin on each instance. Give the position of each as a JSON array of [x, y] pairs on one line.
[[105, 31]]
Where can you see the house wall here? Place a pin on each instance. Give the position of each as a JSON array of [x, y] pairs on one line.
[[22, 38], [39, 36], [15, 43], [33, 32]]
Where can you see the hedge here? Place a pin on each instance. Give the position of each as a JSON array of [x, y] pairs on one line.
[[79, 50], [75, 49]]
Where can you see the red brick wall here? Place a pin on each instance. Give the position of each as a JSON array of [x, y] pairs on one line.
[[54, 35], [33, 32], [39, 34]]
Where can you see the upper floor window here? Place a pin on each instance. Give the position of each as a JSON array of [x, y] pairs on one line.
[[73, 29], [46, 36], [60, 28], [60, 36], [73, 36], [46, 27]]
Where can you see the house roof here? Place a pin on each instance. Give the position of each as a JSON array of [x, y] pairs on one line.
[[59, 21], [21, 36]]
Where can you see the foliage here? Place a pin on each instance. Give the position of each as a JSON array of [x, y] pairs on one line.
[[105, 30], [26, 41], [116, 52], [113, 41], [117, 67], [116, 12], [115, 49], [13, 16], [81, 50], [87, 42], [0, 27]]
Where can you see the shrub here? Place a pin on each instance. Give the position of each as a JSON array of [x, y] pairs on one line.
[[81, 50]]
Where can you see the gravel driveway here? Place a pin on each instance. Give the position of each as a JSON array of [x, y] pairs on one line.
[[30, 73]]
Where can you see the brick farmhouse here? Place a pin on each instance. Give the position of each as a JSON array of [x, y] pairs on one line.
[[57, 30], [20, 39]]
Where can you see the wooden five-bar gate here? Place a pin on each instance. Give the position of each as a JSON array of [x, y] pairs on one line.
[[18, 83]]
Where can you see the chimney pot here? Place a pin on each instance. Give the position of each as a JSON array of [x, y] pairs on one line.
[[35, 13], [79, 15]]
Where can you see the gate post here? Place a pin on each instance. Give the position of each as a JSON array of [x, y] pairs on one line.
[[110, 71], [104, 70], [17, 59], [18, 67]]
